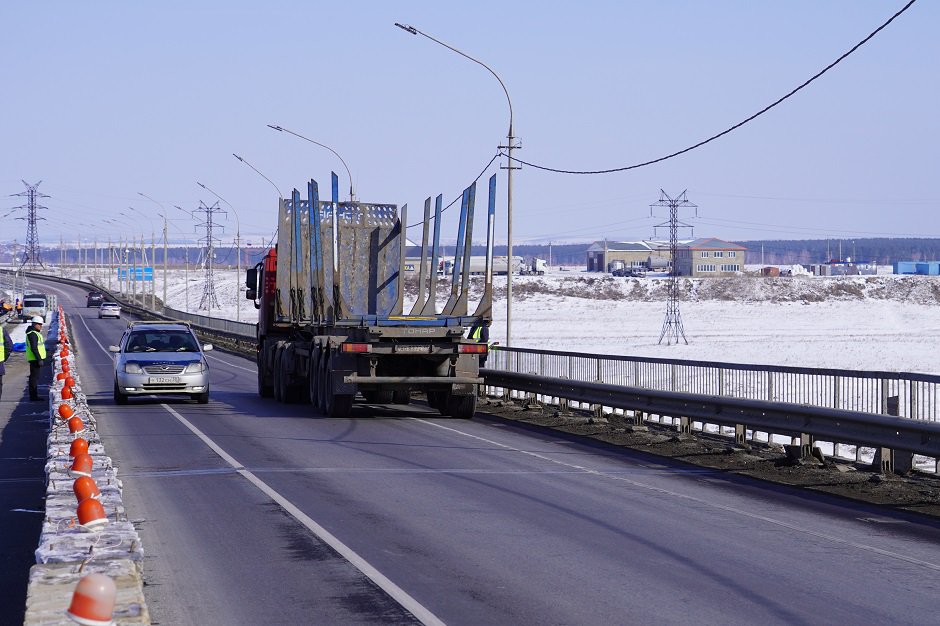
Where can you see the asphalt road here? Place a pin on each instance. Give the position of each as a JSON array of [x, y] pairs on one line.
[[256, 512]]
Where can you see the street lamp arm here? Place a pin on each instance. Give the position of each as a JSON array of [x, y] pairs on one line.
[[258, 172], [234, 212], [322, 145], [414, 31]]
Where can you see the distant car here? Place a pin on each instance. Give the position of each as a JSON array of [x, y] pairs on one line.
[[95, 298], [160, 358], [109, 309], [629, 272]]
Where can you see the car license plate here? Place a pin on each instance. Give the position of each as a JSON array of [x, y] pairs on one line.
[[413, 349], [164, 380]]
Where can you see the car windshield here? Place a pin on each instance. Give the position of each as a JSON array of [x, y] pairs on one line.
[[161, 341]]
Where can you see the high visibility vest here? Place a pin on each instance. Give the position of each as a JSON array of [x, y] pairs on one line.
[[3, 348], [476, 334], [40, 343]]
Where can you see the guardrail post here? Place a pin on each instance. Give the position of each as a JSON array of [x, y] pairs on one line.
[[888, 460], [740, 434], [685, 425]]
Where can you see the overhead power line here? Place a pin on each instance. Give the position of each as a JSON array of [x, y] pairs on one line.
[[736, 126]]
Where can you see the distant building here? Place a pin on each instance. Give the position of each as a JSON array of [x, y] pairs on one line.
[[844, 268], [923, 268], [606, 256], [709, 257]]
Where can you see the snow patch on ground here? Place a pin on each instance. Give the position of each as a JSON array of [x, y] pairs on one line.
[[888, 323]]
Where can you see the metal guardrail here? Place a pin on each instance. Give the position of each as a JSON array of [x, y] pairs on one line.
[[808, 422], [242, 329], [915, 396]]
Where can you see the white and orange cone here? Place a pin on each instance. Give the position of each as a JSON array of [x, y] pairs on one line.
[[93, 601]]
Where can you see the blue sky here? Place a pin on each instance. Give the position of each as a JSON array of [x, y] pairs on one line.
[[103, 100]]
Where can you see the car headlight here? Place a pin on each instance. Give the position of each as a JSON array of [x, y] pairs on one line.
[[195, 368], [133, 368]]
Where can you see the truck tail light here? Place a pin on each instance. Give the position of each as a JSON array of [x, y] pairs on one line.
[[357, 347], [472, 348]]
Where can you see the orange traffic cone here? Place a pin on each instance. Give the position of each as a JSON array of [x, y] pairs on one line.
[[85, 487], [69, 381], [79, 446], [82, 465], [76, 425], [93, 601], [67, 393], [65, 368], [91, 514], [61, 376], [65, 411]]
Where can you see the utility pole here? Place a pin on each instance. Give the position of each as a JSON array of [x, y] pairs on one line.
[[672, 324], [238, 235], [209, 299], [32, 258]]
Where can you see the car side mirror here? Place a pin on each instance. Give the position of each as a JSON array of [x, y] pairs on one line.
[[114, 348], [207, 347]]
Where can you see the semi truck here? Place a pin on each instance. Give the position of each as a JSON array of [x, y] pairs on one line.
[[332, 324]]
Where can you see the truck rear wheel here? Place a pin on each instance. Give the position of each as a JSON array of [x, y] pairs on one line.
[[401, 396], [313, 379], [461, 407], [337, 404], [278, 386], [265, 389]]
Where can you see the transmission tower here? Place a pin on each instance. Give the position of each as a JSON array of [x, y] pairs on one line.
[[32, 257], [209, 299], [672, 324]]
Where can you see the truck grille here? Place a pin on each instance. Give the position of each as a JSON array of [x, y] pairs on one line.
[[168, 370]]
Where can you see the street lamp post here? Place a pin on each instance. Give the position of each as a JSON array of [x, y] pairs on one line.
[[163, 215], [153, 295], [186, 267], [352, 195], [509, 147], [238, 246]]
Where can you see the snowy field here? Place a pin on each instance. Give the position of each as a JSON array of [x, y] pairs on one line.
[[888, 323]]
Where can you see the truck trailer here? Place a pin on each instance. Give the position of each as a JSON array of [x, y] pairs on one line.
[[331, 320]]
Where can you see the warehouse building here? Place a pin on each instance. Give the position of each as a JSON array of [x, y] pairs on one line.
[[606, 256]]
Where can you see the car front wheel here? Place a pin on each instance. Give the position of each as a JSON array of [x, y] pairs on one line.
[[119, 398]]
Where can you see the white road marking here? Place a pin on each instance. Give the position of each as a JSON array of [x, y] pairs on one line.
[[423, 614], [393, 590], [721, 507]]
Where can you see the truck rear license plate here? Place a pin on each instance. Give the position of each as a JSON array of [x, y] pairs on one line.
[[164, 380], [413, 349]]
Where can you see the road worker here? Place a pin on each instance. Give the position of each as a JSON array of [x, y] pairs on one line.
[[480, 332], [6, 349], [35, 354]]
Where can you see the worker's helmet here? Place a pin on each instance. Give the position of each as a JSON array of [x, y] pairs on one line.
[[37, 320]]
